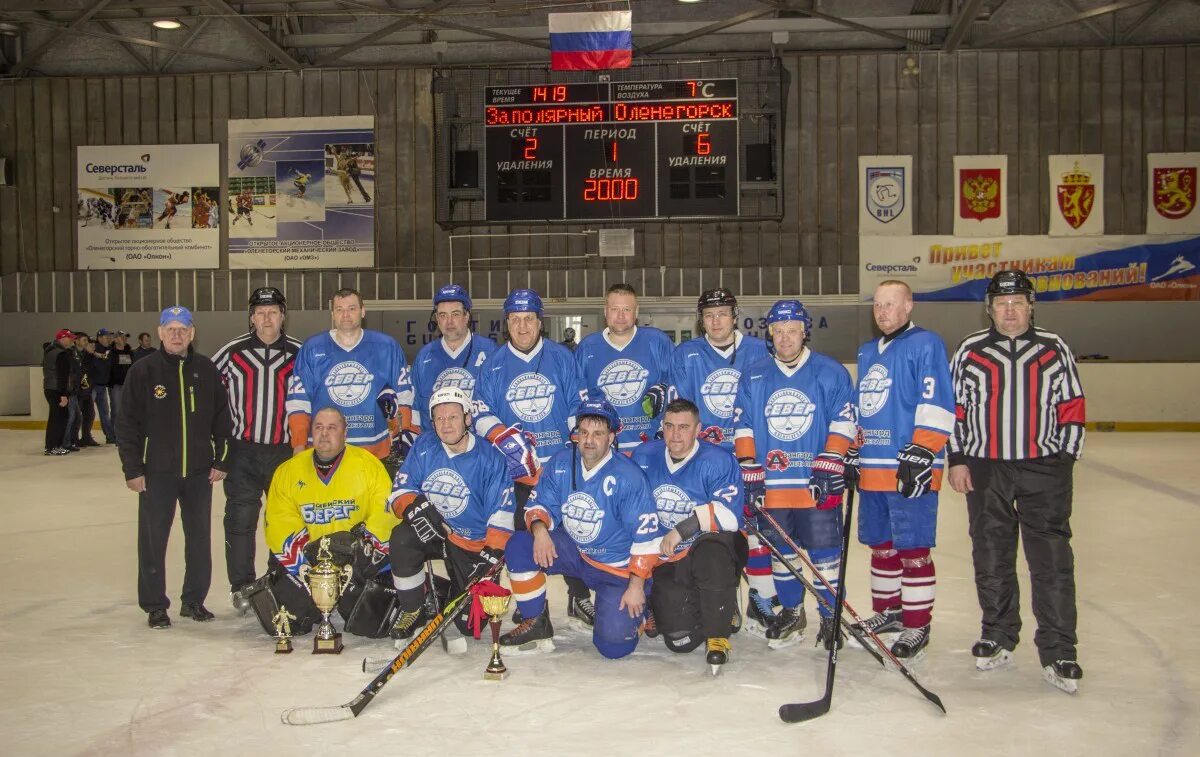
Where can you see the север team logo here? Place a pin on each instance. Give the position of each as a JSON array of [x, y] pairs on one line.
[[1076, 195], [447, 491], [873, 389], [1174, 191], [581, 517], [530, 395], [979, 193], [349, 383], [623, 382], [885, 193], [719, 391], [673, 504], [456, 377], [789, 414]]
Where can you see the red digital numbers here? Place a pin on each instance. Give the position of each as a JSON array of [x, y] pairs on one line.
[[530, 150], [607, 190], [703, 143], [556, 94], [613, 151]]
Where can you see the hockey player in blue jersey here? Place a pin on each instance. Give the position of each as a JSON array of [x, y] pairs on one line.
[[697, 488], [706, 370], [523, 401], [453, 359], [454, 497], [794, 422], [592, 516], [624, 360], [362, 373], [906, 412]]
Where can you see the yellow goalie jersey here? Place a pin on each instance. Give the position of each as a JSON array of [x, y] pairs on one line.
[[304, 505]]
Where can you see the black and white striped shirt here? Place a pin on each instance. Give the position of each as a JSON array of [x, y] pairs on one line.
[[1016, 398], [256, 379]]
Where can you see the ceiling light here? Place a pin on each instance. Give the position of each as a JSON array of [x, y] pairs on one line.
[[165, 23], [689, 1]]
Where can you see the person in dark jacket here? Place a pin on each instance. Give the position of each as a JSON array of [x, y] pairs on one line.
[[80, 411], [100, 371], [173, 438], [56, 377], [144, 347], [122, 359]]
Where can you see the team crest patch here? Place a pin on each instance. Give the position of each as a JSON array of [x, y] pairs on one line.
[[777, 460], [873, 390], [160, 391], [885, 193], [979, 195], [789, 414], [1174, 192]]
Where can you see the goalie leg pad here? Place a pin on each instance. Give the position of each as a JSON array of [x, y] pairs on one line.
[[675, 604], [369, 608], [276, 588]]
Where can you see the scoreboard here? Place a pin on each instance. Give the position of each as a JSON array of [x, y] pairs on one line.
[[612, 151]]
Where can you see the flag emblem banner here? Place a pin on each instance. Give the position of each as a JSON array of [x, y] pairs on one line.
[[1172, 194], [591, 41], [982, 188], [886, 192], [1076, 183]]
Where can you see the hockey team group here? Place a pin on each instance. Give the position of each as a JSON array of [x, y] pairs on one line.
[[652, 478]]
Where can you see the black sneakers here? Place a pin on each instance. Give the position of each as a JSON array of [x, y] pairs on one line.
[[159, 619], [196, 611]]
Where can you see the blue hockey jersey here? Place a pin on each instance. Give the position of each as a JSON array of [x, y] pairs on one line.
[[471, 490], [436, 366], [905, 395], [351, 380], [624, 374], [707, 481], [785, 417], [710, 379], [539, 391], [607, 511]]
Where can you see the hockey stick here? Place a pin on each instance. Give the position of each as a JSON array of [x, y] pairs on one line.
[[802, 711], [859, 633], [264, 215], [432, 606], [421, 642]]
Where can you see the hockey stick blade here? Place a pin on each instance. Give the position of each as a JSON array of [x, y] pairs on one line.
[[315, 715], [798, 713]]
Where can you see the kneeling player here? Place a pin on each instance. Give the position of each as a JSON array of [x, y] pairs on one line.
[[455, 495], [591, 517], [336, 491], [794, 416], [697, 487]]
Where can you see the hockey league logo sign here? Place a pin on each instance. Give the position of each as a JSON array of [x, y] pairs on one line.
[[1076, 195], [885, 193], [979, 193], [1174, 192]]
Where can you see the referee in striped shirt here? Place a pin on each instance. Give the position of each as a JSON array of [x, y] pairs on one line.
[[1019, 429], [255, 369]]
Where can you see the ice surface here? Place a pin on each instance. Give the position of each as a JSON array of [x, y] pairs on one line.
[[83, 674]]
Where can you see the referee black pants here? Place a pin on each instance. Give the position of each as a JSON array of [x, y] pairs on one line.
[[251, 468], [156, 513], [1032, 498]]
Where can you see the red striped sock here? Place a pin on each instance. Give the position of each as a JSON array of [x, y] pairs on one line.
[[885, 577], [917, 587]]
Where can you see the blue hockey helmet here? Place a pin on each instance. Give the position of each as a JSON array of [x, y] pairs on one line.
[[790, 310], [598, 407], [523, 301], [452, 293]]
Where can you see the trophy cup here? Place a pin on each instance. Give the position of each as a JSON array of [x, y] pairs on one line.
[[283, 630], [326, 582], [496, 607]]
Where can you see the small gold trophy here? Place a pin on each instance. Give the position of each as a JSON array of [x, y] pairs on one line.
[[496, 607], [326, 582], [283, 630]]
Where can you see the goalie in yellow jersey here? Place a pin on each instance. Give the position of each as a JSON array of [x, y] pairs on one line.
[[338, 491]]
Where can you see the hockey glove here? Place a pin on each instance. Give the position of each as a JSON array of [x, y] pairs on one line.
[[370, 555], [754, 487], [914, 476], [402, 443], [424, 519], [851, 474], [654, 400], [827, 481], [387, 403], [489, 557], [518, 450]]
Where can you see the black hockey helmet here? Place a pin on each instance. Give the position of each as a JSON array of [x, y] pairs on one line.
[[715, 298], [1010, 282], [268, 296]]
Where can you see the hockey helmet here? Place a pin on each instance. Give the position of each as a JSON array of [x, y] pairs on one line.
[[452, 395], [523, 301], [598, 407], [1009, 282], [715, 298], [452, 293], [790, 310], [267, 296]]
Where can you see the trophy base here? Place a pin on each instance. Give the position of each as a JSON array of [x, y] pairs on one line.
[[495, 675], [328, 646], [283, 646]]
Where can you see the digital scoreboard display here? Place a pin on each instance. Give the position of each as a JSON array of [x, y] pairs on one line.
[[612, 151]]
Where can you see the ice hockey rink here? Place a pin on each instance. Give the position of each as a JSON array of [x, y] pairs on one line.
[[84, 675]]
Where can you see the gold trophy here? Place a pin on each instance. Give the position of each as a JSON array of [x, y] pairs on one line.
[[496, 607], [326, 582], [283, 630]]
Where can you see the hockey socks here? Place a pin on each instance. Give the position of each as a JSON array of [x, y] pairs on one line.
[[758, 568], [885, 577], [917, 586], [827, 562]]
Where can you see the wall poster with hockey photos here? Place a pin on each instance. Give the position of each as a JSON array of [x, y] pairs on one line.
[[148, 206], [301, 192]]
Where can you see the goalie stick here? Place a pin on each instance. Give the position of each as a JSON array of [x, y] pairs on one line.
[[432, 630], [859, 633]]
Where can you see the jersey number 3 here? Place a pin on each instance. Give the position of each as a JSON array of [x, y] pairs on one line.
[[929, 385]]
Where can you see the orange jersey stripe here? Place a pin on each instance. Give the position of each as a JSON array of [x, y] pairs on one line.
[[789, 498], [933, 441], [884, 480], [743, 447]]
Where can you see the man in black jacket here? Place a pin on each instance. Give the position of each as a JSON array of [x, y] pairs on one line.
[[100, 371], [56, 377], [173, 434], [122, 358]]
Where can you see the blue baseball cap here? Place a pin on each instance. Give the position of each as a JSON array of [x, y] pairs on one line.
[[523, 301], [452, 293], [790, 310], [176, 313], [598, 407], [105, 332]]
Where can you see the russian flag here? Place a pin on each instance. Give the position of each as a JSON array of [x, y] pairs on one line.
[[591, 41]]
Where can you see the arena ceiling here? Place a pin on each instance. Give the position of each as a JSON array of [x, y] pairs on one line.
[[80, 37]]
